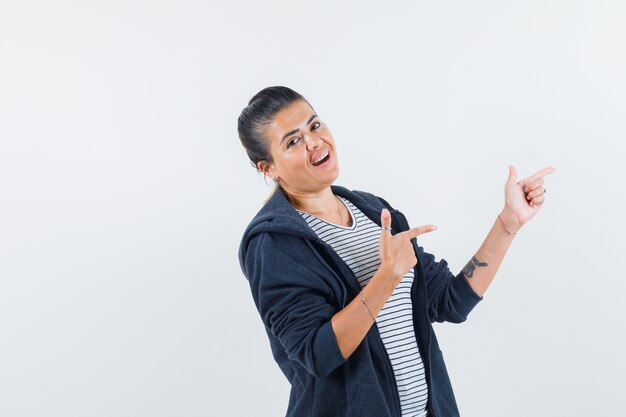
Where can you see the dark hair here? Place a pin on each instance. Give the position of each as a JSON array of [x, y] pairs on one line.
[[259, 112]]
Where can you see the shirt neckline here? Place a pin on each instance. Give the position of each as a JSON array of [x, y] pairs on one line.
[[345, 203]]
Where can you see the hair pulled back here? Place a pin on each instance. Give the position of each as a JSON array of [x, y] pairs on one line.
[[255, 117]]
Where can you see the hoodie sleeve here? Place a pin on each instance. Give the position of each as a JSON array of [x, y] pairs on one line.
[[293, 297], [450, 297]]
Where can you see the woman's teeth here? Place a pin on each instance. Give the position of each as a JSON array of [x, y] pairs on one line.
[[321, 159]]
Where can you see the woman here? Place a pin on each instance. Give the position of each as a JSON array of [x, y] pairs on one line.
[[346, 294]]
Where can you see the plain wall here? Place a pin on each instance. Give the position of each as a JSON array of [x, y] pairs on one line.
[[124, 191]]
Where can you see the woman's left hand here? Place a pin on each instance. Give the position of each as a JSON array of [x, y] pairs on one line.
[[523, 199]]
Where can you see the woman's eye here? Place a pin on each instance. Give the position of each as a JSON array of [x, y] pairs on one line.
[[315, 125], [293, 142]]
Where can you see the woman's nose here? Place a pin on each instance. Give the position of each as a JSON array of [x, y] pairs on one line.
[[312, 142]]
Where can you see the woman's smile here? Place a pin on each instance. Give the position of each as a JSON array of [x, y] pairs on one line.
[[321, 159]]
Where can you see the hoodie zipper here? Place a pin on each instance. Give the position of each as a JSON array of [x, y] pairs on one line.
[[389, 369]]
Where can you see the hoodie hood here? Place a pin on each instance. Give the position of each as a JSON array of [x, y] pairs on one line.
[[279, 216]]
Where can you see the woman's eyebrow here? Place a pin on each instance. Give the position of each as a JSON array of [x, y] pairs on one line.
[[296, 130]]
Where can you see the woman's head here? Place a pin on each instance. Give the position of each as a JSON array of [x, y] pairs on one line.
[[287, 141]]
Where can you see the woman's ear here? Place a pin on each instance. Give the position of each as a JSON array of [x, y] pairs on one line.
[[266, 169]]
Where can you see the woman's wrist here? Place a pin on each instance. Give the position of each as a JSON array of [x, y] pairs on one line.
[[510, 221], [387, 274]]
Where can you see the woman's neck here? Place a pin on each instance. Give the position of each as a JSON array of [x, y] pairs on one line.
[[322, 202], [324, 205]]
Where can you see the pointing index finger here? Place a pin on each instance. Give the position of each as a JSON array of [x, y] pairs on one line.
[[543, 172], [416, 231]]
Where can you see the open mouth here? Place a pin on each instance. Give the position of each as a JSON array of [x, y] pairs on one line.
[[323, 159]]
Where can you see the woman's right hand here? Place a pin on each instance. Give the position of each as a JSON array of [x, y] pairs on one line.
[[396, 251]]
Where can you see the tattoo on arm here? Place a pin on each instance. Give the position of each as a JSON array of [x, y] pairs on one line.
[[471, 266]]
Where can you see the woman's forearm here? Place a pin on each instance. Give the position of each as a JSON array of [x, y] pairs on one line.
[[481, 269], [352, 323]]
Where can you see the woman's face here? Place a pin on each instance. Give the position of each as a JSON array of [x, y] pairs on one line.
[[303, 150]]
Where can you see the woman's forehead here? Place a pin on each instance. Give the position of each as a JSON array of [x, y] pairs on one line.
[[295, 116]]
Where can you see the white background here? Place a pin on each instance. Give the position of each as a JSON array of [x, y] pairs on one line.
[[124, 191]]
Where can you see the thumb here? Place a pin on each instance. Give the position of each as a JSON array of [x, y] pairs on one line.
[[385, 222], [512, 176], [385, 218]]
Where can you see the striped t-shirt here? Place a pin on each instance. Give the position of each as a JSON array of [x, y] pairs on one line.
[[358, 246]]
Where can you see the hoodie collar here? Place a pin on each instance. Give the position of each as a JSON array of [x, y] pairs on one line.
[[279, 216]]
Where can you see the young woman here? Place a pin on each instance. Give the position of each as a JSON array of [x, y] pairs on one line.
[[346, 295]]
